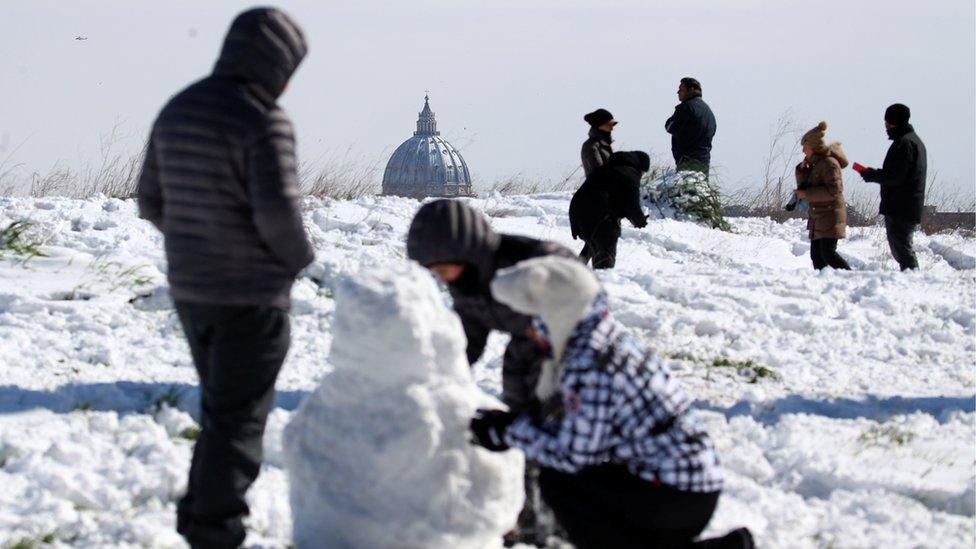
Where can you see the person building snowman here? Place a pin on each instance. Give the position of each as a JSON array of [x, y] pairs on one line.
[[624, 461]]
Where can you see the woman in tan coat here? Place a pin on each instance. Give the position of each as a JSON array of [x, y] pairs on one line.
[[819, 181]]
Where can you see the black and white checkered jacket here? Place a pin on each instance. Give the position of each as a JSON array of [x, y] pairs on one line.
[[619, 405]]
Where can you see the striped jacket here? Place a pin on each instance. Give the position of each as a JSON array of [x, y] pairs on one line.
[[220, 179], [619, 405]]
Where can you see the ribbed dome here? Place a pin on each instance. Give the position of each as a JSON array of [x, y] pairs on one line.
[[426, 165]]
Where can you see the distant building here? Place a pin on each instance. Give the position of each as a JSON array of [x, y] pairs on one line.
[[426, 165]]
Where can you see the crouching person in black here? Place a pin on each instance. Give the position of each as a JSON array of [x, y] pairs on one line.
[[609, 194], [624, 463], [458, 245]]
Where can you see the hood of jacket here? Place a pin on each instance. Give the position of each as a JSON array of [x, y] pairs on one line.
[[835, 151], [449, 231], [262, 49]]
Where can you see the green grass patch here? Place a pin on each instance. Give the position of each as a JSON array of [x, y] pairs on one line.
[[886, 435], [191, 433], [33, 543], [83, 406], [17, 239], [750, 369], [170, 397]]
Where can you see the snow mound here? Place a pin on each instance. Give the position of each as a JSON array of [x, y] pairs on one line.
[[957, 258], [378, 455]]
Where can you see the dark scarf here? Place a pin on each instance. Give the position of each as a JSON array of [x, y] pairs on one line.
[[601, 135]]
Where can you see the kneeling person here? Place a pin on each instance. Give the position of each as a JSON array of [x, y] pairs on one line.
[[624, 461]]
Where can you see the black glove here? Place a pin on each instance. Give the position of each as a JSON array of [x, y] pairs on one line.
[[791, 205], [488, 429], [639, 222], [864, 175]]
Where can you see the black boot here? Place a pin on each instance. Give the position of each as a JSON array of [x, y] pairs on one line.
[[740, 538]]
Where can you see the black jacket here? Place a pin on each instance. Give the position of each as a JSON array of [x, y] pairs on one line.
[[596, 150], [902, 176], [692, 127], [448, 231], [219, 178], [609, 194]]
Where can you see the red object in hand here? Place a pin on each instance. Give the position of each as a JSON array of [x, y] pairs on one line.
[[859, 168]]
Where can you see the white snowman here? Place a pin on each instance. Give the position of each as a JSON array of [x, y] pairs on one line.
[[378, 455]]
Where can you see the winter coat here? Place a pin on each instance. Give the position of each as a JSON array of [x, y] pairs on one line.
[[820, 176], [468, 239], [219, 177], [692, 127], [619, 404], [596, 150], [608, 195], [902, 176]]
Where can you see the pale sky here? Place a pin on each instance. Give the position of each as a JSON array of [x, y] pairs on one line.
[[510, 80]]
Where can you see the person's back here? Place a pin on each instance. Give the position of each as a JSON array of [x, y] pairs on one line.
[[219, 181], [905, 164]]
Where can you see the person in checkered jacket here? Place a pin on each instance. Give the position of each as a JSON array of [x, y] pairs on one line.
[[624, 462]]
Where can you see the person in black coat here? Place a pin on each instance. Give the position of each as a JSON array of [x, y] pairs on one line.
[[219, 182], [457, 244], [598, 147], [608, 195], [692, 127], [902, 180]]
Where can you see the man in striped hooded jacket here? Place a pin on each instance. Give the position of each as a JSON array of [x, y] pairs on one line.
[[624, 461]]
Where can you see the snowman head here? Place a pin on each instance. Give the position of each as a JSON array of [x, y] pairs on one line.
[[391, 325]]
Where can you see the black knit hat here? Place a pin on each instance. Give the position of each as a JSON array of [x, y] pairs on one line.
[[897, 114], [598, 118], [449, 231]]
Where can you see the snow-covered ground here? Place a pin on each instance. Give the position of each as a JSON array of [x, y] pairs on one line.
[[842, 402]]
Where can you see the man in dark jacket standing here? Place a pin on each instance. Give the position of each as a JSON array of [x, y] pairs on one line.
[[598, 147], [902, 180], [219, 181], [692, 127]]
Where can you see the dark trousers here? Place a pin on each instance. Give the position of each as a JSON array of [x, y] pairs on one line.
[[823, 252], [606, 506], [600, 245], [237, 351], [899, 234]]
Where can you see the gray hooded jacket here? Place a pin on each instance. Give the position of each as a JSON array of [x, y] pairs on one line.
[[219, 178]]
